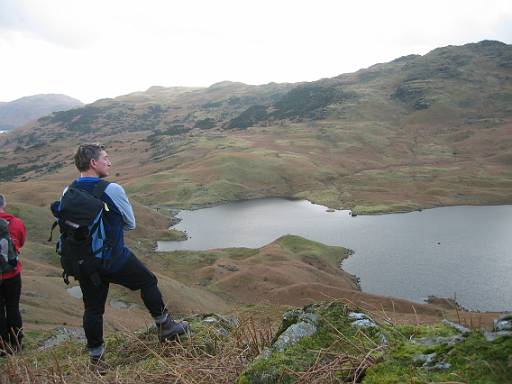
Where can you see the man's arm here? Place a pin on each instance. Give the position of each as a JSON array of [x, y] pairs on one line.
[[118, 196]]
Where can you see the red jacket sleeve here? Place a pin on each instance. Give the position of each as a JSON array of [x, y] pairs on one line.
[[18, 233]]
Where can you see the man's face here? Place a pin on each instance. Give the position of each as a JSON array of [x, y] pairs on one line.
[[102, 165]]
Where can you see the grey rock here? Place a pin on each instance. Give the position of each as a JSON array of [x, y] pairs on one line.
[[293, 334], [292, 315], [297, 315], [313, 318], [62, 335], [439, 366], [458, 327], [383, 339], [428, 360], [299, 323], [364, 323], [362, 320], [357, 316], [430, 341], [503, 323], [210, 320], [119, 304], [491, 336]]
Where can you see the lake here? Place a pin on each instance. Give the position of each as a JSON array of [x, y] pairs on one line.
[[463, 252]]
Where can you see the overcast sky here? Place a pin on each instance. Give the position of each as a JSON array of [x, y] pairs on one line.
[[91, 49]]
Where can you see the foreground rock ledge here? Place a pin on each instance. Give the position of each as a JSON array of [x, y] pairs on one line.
[[335, 343]]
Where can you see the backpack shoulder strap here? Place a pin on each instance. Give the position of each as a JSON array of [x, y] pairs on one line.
[[99, 188], [4, 226]]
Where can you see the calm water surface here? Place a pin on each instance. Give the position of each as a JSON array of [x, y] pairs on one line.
[[463, 251]]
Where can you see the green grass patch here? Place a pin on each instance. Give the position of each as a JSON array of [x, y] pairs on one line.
[[37, 219], [329, 197], [172, 235], [472, 361], [362, 209], [298, 247]]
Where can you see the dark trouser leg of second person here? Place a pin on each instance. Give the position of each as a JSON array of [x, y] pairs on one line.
[[3, 324], [11, 292], [94, 298]]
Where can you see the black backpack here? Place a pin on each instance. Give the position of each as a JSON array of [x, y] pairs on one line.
[[9, 260], [82, 242]]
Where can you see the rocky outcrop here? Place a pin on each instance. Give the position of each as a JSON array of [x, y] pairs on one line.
[[332, 342], [61, 335], [502, 328], [313, 339]]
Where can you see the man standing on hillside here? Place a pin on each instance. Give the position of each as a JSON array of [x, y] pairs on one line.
[[11, 330], [125, 268]]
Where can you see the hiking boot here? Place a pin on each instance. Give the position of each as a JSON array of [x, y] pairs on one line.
[[171, 330], [98, 365]]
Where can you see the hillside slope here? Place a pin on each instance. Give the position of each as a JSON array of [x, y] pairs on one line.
[[419, 131]]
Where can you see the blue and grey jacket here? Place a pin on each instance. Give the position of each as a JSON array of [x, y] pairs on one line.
[[117, 219]]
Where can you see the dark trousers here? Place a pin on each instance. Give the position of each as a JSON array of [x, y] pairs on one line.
[[10, 317], [133, 275]]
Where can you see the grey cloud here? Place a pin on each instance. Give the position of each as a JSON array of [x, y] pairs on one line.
[[503, 29], [61, 30], [11, 16]]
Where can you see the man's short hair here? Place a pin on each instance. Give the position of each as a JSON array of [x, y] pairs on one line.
[[3, 201], [85, 153]]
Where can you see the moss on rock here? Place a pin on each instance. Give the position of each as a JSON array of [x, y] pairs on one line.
[[472, 360], [336, 339]]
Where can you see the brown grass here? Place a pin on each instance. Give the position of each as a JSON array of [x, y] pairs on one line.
[[139, 358], [206, 357]]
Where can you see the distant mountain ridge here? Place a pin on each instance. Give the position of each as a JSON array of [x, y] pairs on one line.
[[452, 76], [23, 110]]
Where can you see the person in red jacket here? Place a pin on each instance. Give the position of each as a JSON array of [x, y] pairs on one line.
[[11, 327]]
